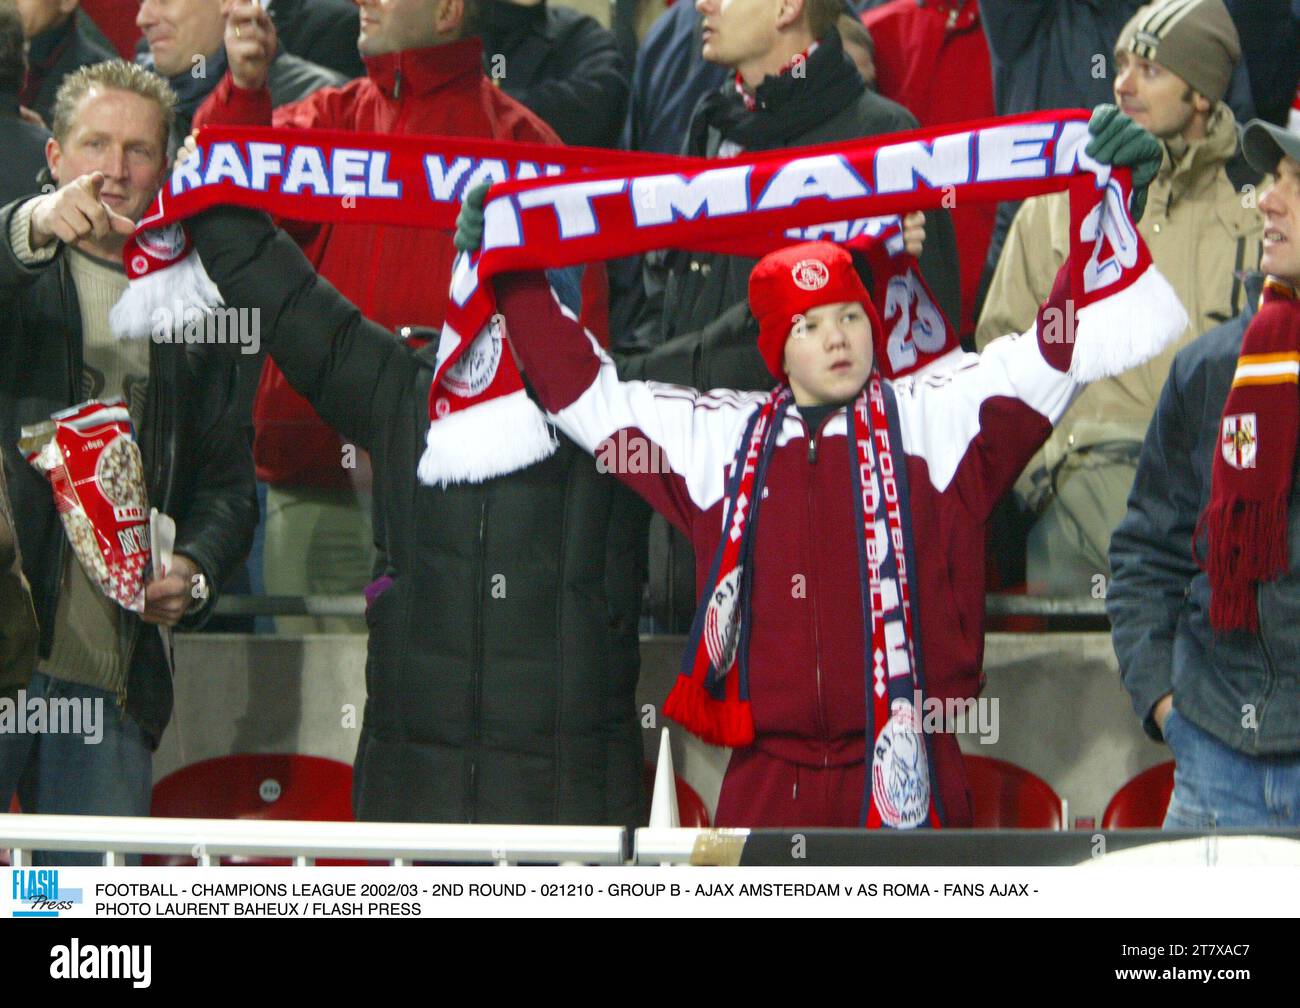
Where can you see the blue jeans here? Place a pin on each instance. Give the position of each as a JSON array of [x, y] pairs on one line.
[[1215, 785], [70, 773]]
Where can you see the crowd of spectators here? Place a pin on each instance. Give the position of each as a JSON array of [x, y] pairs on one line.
[[712, 79]]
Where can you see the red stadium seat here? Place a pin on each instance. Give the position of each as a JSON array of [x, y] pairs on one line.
[[691, 810], [1142, 802], [1009, 797], [255, 786]]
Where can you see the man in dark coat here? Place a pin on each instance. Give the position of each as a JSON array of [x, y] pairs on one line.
[[503, 655], [60, 273], [1224, 697], [670, 78]]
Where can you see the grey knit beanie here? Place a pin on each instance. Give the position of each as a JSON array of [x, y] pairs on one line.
[[1195, 39]]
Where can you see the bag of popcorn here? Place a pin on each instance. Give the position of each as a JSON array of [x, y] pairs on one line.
[[93, 463]]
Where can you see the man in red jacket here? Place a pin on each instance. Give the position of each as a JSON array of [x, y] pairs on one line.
[[423, 76]]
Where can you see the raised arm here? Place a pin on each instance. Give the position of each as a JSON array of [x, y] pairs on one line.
[[978, 424], [243, 98], [669, 443]]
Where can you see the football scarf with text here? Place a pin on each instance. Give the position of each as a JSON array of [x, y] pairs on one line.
[[553, 207], [711, 696], [1246, 518]]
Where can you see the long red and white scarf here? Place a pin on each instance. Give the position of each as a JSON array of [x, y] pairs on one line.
[[555, 207]]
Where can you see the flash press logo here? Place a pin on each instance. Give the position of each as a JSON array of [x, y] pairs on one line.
[[39, 890], [75, 961]]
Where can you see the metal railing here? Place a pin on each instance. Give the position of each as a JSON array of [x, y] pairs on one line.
[[209, 840], [997, 606]]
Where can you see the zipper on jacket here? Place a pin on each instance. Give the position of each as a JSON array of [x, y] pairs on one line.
[[812, 592]]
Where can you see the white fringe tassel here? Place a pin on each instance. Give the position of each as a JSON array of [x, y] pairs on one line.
[[150, 302], [1126, 329], [494, 438]]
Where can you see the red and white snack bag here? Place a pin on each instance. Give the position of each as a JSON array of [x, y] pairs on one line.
[[96, 473]]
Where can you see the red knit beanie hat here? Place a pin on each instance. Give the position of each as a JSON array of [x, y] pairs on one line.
[[792, 280]]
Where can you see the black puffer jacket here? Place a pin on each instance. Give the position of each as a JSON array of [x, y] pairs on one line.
[[687, 292], [502, 661], [197, 462]]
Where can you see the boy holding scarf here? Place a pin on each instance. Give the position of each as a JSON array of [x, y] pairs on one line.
[[838, 522]]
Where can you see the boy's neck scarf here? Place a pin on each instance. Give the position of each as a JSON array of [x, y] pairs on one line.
[[1250, 483], [607, 204], [711, 696]]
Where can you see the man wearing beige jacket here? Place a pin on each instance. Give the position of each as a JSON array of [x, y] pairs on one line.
[[1173, 63]]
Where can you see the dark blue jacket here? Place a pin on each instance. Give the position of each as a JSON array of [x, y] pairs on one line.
[[1243, 688], [669, 80]]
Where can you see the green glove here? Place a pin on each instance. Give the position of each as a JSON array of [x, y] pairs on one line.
[[1118, 140], [469, 222]]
